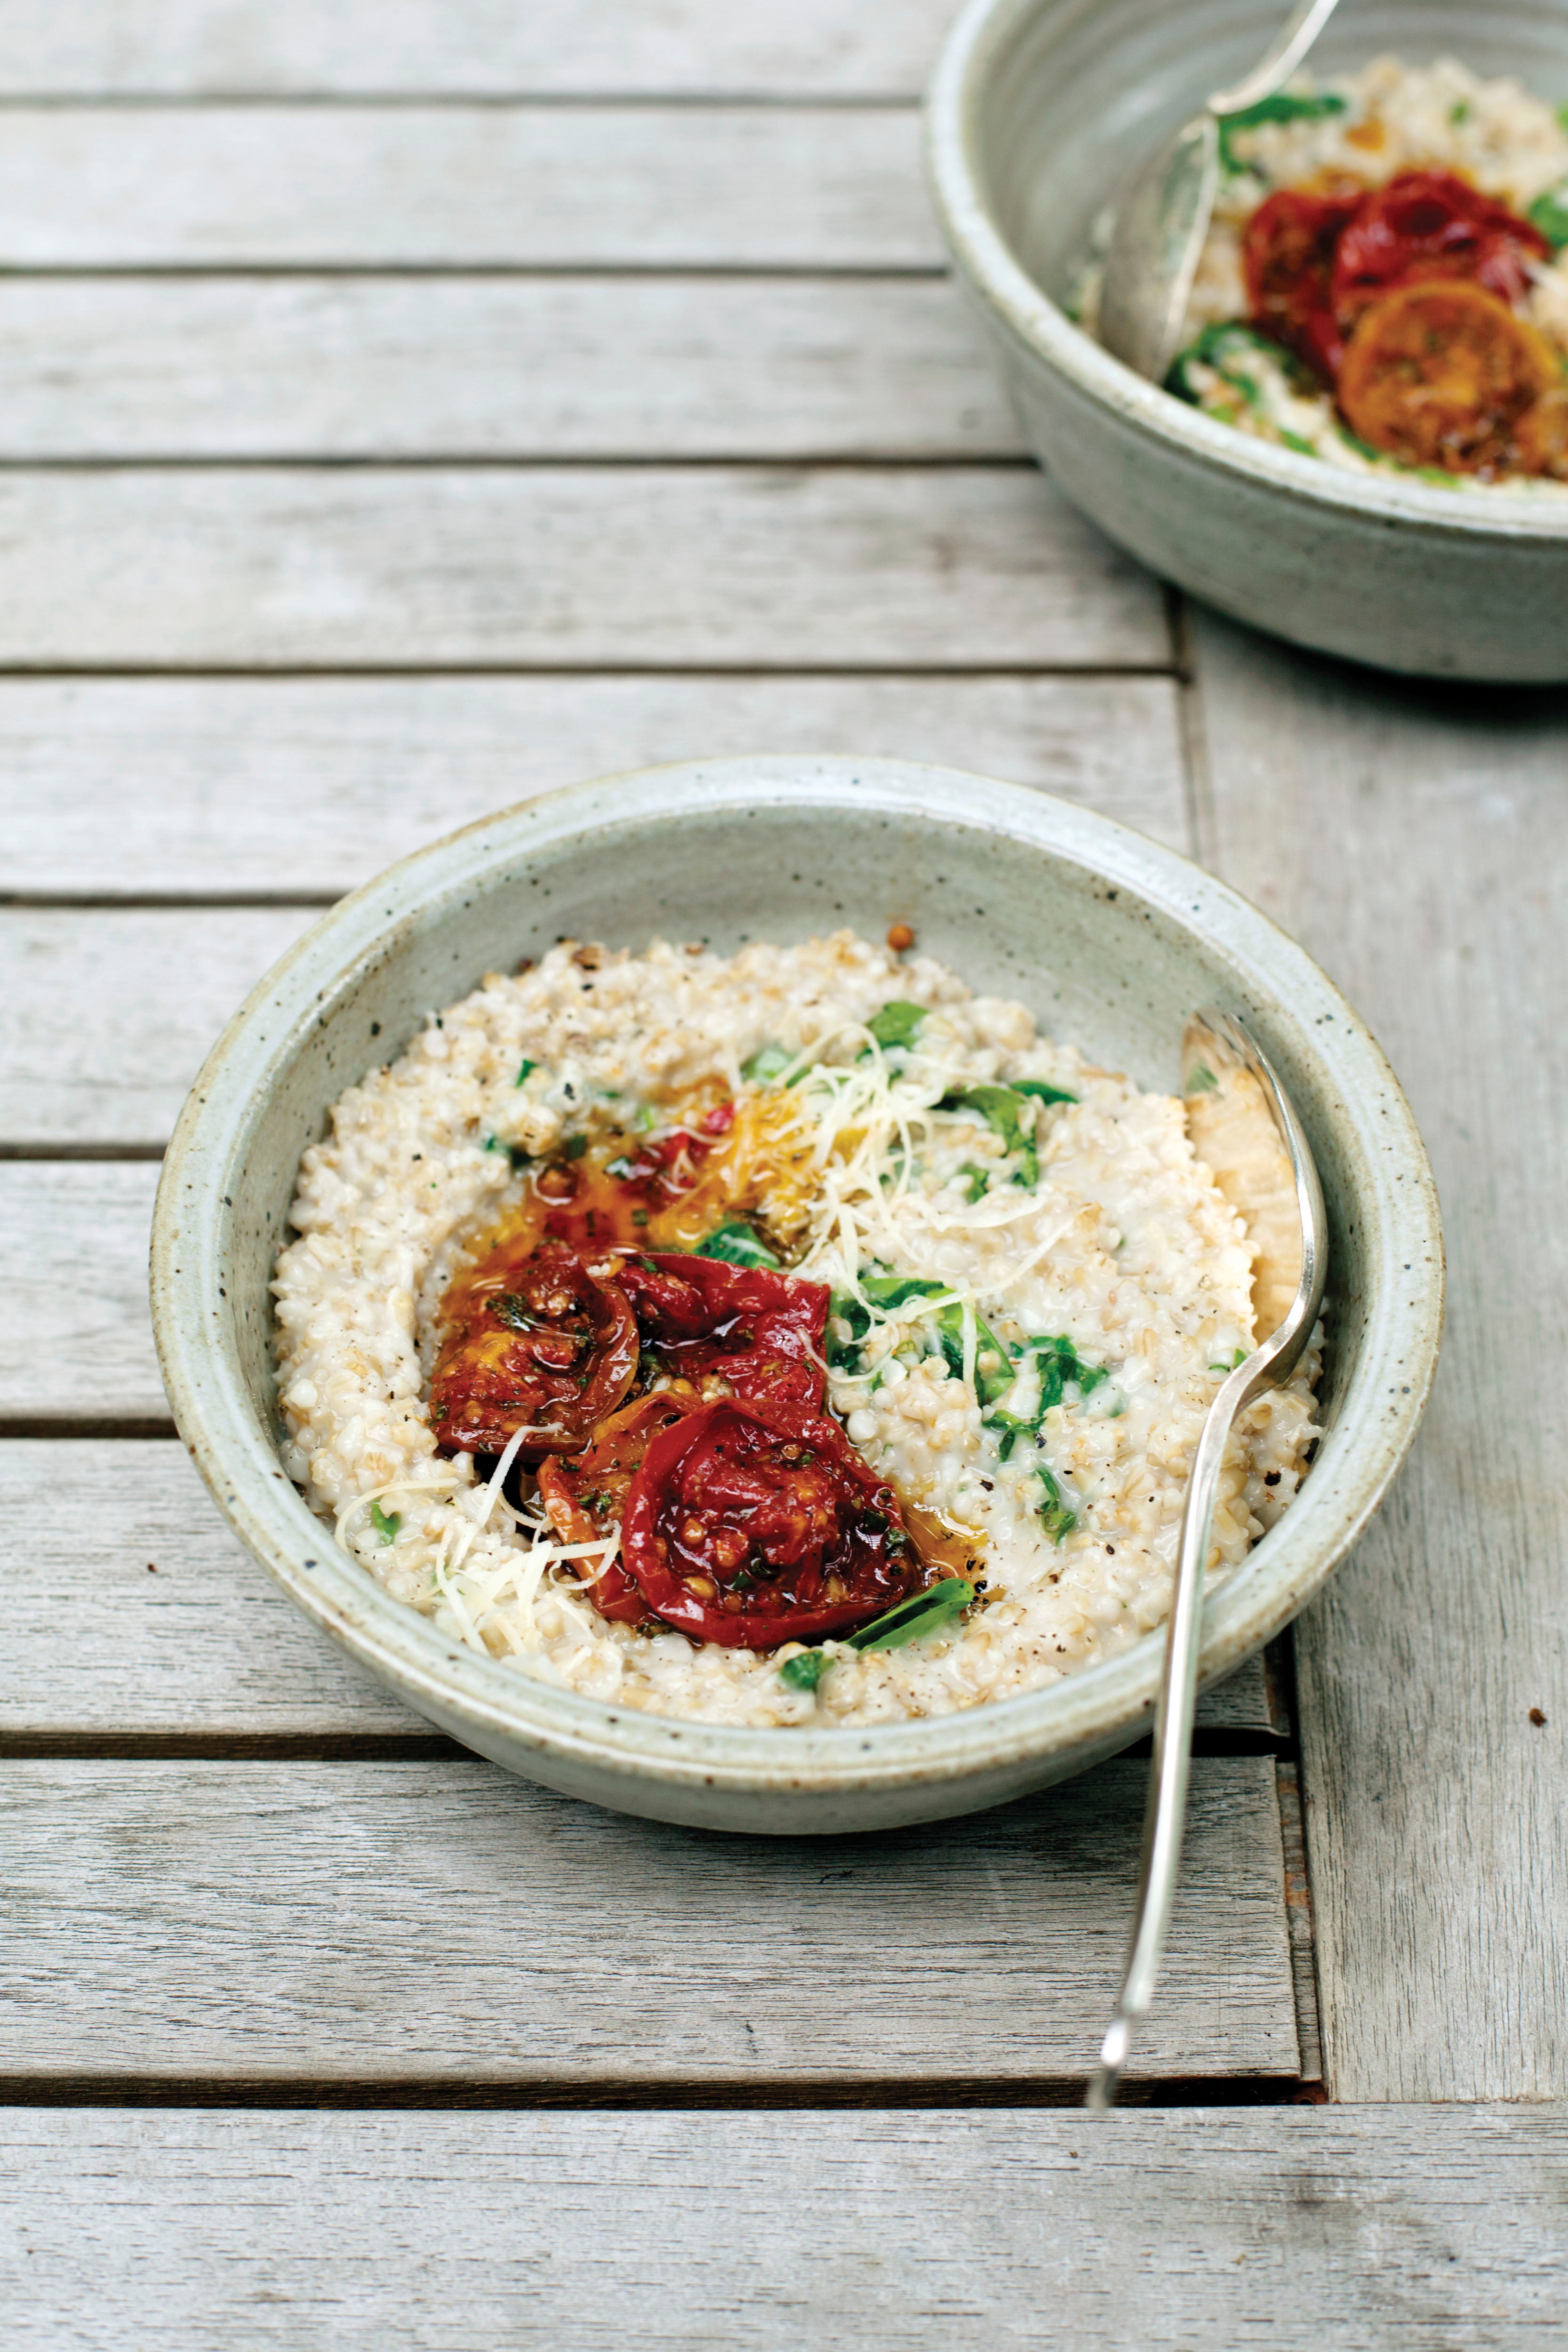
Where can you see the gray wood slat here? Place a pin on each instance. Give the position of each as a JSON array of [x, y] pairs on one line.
[[137, 1616], [702, 567], [1416, 839], [73, 1273], [228, 48], [411, 186], [493, 367], [105, 1017], [1360, 2229], [407, 1921], [218, 787]]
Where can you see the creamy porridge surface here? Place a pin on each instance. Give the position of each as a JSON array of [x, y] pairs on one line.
[[1036, 1288]]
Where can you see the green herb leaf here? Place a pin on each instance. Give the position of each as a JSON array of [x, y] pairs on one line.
[[766, 1065], [1549, 214], [574, 1147], [738, 1244], [1001, 1108], [1013, 1426], [386, 1523], [897, 1024], [844, 1355], [922, 1613], [890, 1290], [1284, 106], [1460, 112], [515, 1312], [1055, 1517], [979, 1182], [1225, 346], [1238, 1359], [523, 1073], [804, 1671], [1040, 1091]]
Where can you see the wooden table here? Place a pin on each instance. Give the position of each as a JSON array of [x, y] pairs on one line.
[[405, 409]]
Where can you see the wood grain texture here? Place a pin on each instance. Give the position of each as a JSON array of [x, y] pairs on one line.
[[493, 367], [703, 567], [105, 1018], [779, 48], [1416, 839], [73, 1272], [408, 1921], [136, 1616], [220, 787], [1391, 2231], [513, 188]]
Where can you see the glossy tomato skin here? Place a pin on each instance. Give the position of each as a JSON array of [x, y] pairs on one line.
[[755, 1524], [584, 1498], [760, 1332], [1431, 224], [1288, 256], [545, 1341]]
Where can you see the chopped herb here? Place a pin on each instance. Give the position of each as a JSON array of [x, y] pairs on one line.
[[844, 1355], [922, 1613], [1054, 1515], [1238, 1359], [805, 1671], [980, 1181], [574, 1147], [1012, 1426], [890, 1291], [386, 1523], [1297, 442], [515, 1312], [1226, 346], [622, 1168], [738, 1244], [1284, 106], [523, 1073], [1549, 214], [638, 1217], [1000, 1108], [1040, 1091], [1460, 112], [1362, 448], [897, 1024], [767, 1065]]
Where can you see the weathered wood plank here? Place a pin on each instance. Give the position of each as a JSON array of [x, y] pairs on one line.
[[452, 187], [220, 787], [1384, 2230], [493, 367], [1416, 840], [105, 1017], [706, 567], [468, 47], [73, 1272], [136, 1615], [402, 1921]]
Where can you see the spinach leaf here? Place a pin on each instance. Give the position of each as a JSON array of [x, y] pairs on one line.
[[889, 1291], [767, 1065], [1549, 214], [1000, 1108], [1225, 346], [1040, 1091], [1284, 106], [980, 1181], [386, 1523], [738, 1244], [922, 1612], [1054, 1515], [897, 1024], [844, 1355], [523, 1073], [804, 1671]]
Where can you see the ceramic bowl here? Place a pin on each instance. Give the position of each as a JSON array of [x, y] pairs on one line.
[[1040, 110], [1111, 940]]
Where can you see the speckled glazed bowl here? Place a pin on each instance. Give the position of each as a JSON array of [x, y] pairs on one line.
[[1040, 112], [1110, 938]]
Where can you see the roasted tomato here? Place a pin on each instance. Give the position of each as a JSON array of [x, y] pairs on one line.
[[1426, 225], [761, 1333], [585, 1497], [1442, 374], [753, 1525], [538, 1340], [1288, 256]]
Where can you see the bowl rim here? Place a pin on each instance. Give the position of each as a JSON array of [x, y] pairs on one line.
[[972, 49], [495, 1706]]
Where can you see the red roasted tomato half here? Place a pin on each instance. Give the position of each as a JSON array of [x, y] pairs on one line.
[[762, 1333], [541, 1342], [756, 1523], [1432, 224]]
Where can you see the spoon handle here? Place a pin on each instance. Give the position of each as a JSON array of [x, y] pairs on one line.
[[1288, 48], [1165, 1815]]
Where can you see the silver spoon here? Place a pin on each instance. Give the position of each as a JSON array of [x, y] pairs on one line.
[[1245, 1128], [1163, 218]]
